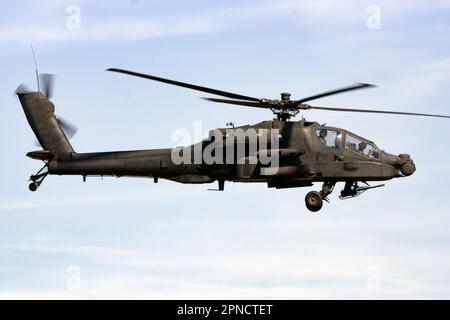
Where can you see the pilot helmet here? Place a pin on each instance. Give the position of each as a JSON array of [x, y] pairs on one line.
[[362, 146]]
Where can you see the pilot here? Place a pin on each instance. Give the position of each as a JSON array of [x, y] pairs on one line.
[[337, 142], [322, 135], [361, 147]]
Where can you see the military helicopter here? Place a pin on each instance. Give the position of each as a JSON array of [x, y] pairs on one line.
[[306, 151]]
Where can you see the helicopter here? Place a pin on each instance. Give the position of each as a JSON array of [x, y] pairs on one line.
[[301, 152]]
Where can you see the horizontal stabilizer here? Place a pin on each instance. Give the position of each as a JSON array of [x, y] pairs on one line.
[[40, 155]]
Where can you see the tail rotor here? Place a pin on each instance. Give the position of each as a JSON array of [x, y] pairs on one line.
[[47, 84]]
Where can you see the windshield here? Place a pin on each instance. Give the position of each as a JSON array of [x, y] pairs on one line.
[[329, 137], [361, 146]]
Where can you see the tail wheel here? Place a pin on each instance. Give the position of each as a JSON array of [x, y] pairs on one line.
[[33, 186], [38, 178], [313, 201]]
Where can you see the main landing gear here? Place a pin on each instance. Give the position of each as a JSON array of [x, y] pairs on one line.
[[314, 200], [38, 178]]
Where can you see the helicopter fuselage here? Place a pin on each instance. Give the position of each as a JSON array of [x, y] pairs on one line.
[[304, 157]]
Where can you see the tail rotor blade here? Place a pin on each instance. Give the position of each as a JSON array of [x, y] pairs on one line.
[[21, 89], [69, 129], [47, 81]]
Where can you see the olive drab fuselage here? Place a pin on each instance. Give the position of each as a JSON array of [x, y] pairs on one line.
[[303, 159], [304, 156]]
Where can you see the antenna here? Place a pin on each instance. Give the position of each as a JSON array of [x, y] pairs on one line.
[[35, 66]]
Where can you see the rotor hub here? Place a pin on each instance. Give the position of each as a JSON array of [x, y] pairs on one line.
[[285, 96]]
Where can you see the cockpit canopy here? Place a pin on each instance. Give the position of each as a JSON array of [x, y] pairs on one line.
[[337, 138]]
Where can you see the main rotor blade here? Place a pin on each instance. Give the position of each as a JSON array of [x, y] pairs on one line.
[[356, 86], [185, 85], [239, 102], [378, 111]]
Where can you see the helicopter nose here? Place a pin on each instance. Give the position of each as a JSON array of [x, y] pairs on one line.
[[407, 167]]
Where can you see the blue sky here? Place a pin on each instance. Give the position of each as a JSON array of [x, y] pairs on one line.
[[133, 239]]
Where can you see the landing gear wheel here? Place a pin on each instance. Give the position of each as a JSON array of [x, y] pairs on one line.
[[38, 178], [33, 186], [313, 201]]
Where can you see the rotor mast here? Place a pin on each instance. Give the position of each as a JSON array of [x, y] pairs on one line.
[[284, 112]]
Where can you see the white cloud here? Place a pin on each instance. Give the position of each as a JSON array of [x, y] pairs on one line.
[[421, 80], [242, 278], [74, 201], [130, 197], [132, 30], [122, 28]]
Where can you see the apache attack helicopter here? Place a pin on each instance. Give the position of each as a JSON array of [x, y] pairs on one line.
[[307, 151]]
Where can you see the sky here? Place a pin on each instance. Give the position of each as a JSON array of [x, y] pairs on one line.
[[130, 238]]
